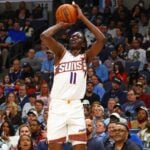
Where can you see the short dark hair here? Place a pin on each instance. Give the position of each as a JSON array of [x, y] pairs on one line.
[[40, 101]]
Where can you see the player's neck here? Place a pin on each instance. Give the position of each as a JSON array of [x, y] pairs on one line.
[[75, 52]]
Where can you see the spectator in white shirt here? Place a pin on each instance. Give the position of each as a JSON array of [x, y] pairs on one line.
[[136, 53], [29, 105]]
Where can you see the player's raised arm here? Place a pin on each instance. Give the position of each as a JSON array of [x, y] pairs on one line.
[[50, 42], [100, 38]]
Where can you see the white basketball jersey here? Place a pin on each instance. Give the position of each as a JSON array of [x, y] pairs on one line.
[[70, 77]]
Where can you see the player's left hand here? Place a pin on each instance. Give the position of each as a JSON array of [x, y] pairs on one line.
[[64, 25]]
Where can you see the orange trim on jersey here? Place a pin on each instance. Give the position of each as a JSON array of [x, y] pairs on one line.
[[78, 137], [60, 140], [57, 62]]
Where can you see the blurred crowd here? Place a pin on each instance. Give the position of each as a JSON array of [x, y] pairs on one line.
[[117, 98]]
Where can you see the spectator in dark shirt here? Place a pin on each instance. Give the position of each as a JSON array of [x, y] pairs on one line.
[[121, 138], [90, 95], [22, 12], [15, 71], [115, 91], [22, 95], [2, 97], [8, 11], [139, 88], [27, 71]]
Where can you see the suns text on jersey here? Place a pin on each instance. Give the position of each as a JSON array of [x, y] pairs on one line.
[[71, 66]]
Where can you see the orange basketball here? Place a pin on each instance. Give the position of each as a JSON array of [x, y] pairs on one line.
[[66, 13]]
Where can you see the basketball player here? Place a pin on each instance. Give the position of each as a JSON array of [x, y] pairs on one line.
[[66, 117]]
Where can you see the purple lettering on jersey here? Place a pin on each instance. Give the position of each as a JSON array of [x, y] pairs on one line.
[[75, 75], [71, 76]]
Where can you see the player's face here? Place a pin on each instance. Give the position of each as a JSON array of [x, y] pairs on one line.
[[76, 40]]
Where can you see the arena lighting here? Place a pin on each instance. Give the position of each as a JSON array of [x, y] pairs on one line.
[[4, 1]]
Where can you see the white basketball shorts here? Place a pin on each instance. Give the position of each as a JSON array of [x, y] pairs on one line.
[[66, 120]]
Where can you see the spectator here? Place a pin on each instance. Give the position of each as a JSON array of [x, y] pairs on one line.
[[137, 53], [27, 71], [28, 29], [22, 12], [37, 12], [16, 34], [24, 130], [145, 136], [119, 72], [145, 82], [31, 115], [2, 97], [15, 71], [94, 13], [10, 97], [132, 104], [90, 95], [115, 117], [136, 12], [21, 131], [115, 91], [109, 141], [44, 94], [144, 24], [118, 109], [133, 76], [87, 108], [121, 138], [134, 34], [8, 12], [100, 69], [139, 88], [8, 87], [119, 38], [45, 117], [9, 24], [97, 87], [29, 105], [39, 107], [112, 59], [47, 68], [93, 143], [32, 60], [22, 95], [122, 51], [90, 73], [112, 28], [5, 43], [6, 130], [100, 130], [41, 54], [13, 115], [142, 118], [109, 39], [36, 133], [97, 114], [112, 101], [25, 143], [121, 8]]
